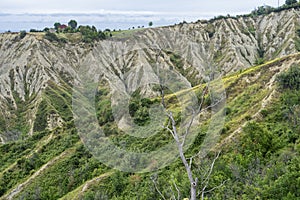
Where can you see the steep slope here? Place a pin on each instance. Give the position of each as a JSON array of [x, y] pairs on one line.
[[27, 68], [61, 159], [193, 50], [43, 156]]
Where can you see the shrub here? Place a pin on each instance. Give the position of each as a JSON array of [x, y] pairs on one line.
[[22, 34], [290, 79], [259, 61], [227, 110], [73, 24], [90, 34], [52, 37], [290, 2], [138, 109], [35, 31]]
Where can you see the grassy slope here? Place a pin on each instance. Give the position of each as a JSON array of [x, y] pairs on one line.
[[244, 163]]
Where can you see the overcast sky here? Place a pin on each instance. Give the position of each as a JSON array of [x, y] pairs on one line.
[[50, 6], [160, 11]]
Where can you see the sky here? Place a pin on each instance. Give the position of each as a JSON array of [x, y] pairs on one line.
[[16, 15]]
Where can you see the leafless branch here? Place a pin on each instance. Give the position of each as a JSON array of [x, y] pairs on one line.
[[174, 129], [191, 162], [178, 191], [188, 128], [208, 174], [171, 131], [211, 167], [200, 110], [214, 188], [180, 141], [193, 181], [172, 193], [156, 188], [204, 92], [213, 105]]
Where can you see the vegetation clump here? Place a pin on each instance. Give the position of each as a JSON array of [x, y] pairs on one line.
[[138, 109], [290, 79], [52, 37], [22, 34], [88, 33]]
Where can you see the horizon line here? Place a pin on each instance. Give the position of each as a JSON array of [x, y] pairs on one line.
[[122, 12]]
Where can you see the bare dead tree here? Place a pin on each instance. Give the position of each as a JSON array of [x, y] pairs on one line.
[[193, 180], [180, 140], [180, 143]]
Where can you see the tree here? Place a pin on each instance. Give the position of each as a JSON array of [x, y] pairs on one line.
[[57, 25], [46, 29], [73, 24], [180, 140], [290, 2], [90, 33], [101, 35], [150, 24], [22, 34]]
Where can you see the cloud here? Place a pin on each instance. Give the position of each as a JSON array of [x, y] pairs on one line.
[[102, 20], [19, 14], [79, 6]]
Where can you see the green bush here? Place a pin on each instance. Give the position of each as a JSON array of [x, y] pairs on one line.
[[103, 107], [40, 122], [138, 109], [290, 2], [35, 31], [52, 37], [290, 79], [90, 34], [22, 34]]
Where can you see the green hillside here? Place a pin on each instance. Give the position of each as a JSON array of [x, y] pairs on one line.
[[259, 146], [153, 113]]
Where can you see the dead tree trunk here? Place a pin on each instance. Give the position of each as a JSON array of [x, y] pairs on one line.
[[193, 181], [180, 138], [180, 141]]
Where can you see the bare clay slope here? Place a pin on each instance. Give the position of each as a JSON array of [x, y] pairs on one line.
[[192, 51], [37, 77]]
